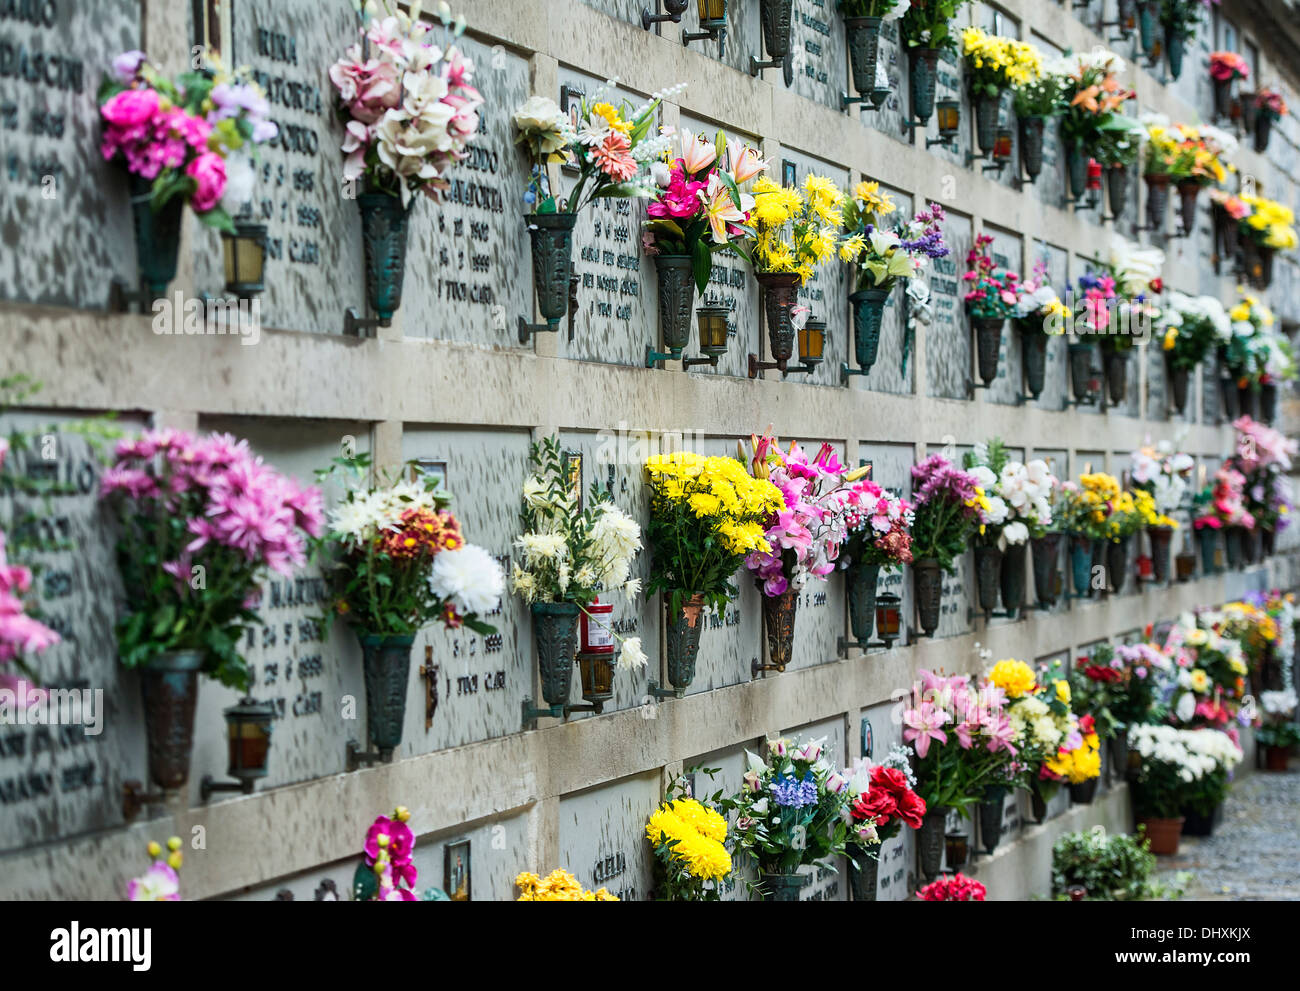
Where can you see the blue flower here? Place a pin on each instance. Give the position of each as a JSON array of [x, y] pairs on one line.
[[794, 794]]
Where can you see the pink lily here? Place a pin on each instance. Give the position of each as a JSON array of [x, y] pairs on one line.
[[923, 725]]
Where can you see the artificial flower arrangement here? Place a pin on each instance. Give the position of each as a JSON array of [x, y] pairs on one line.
[[994, 292], [698, 209], [203, 521], [161, 882], [1225, 66], [804, 536], [558, 886], [881, 254], [1264, 456], [1042, 729], [689, 840], [1223, 502], [949, 507], [1120, 686], [927, 24], [790, 814], [1019, 494], [1195, 153], [878, 528], [1179, 770], [1271, 102], [1207, 677], [570, 555], [993, 64], [796, 231], [1247, 351], [1269, 224], [1265, 108], [707, 515], [1193, 327], [1123, 310], [387, 872], [1162, 471], [953, 888], [407, 103], [1253, 629], [1092, 102], [1084, 506], [882, 800], [1038, 306]]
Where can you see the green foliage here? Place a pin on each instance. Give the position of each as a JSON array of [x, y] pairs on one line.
[[929, 24], [1277, 735], [1111, 867]]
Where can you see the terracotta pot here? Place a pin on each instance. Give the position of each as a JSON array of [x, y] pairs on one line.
[[1275, 758], [1162, 835]]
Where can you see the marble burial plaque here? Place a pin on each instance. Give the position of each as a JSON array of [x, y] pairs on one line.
[[62, 779], [481, 680], [958, 586], [948, 338], [824, 884], [1211, 394], [1050, 186], [889, 373], [65, 207], [469, 274], [828, 289], [1079, 266], [615, 459], [889, 118], [891, 469], [602, 836], [730, 765], [616, 315], [1056, 384], [896, 878], [1006, 251], [308, 679], [314, 267], [951, 85], [819, 50], [1158, 401], [731, 283], [497, 854]]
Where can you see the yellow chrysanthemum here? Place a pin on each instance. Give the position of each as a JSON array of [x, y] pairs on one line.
[[1016, 678]]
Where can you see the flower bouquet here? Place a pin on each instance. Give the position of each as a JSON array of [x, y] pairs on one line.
[[1268, 227], [949, 507], [794, 233], [993, 64], [1092, 105], [993, 296], [1176, 766], [1269, 107], [878, 536], [790, 815], [1135, 272], [1041, 723], [386, 872], [882, 800], [1190, 156], [558, 886], [1221, 507], [1264, 456], [1159, 474], [397, 561], [706, 516], [1035, 102], [1119, 686], [161, 882], [804, 536], [1180, 19], [689, 840], [1194, 326], [955, 888], [1225, 68], [570, 555], [1206, 682], [22, 635], [181, 142], [965, 755], [609, 148], [406, 100], [202, 522], [882, 255]]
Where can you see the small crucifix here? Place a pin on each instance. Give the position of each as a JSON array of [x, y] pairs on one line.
[[429, 672]]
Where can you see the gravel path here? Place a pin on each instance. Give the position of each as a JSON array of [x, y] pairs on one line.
[[1254, 854]]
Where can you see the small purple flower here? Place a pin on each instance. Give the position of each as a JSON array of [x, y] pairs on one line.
[[794, 794], [126, 65]]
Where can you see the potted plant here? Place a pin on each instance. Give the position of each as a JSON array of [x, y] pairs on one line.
[[689, 839], [202, 522], [993, 64], [397, 561], [1226, 68], [697, 210], [991, 299], [878, 536], [410, 112], [862, 21], [706, 516], [1040, 720], [926, 32], [803, 537], [794, 233], [1109, 866], [1203, 803], [955, 888], [1269, 108], [1193, 327], [881, 256], [882, 799], [184, 142], [569, 552], [1035, 102], [790, 814], [608, 148], [1038, 316], [948, 508], [963, 741], [1118, 686], [1279, 733], [1167, 775]]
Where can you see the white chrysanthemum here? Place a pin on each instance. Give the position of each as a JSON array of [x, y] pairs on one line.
[[353, 520], [632, 657], [524, 583], [540, 547], [469, 577]]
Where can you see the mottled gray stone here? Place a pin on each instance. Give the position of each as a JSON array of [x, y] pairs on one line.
[[602, 836], [948, 340]]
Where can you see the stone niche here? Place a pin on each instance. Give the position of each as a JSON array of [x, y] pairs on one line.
[[315, 683], [480, 680], [314, 267], [891, 469], [1007, 253], [824, 884], [891, 373], [67, 208], [61, 780], [602, 836], [897, 871], [948, 355], [1056, 379]]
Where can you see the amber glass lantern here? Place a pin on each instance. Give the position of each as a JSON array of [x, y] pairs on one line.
[[1002, 146], [712, 322], [812, 344], [947, 114], [245, 259], [713, 23], [248, 739], [957, 848], [888, 616]]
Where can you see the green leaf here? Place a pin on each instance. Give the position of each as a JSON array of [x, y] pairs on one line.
[[702, 262]]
